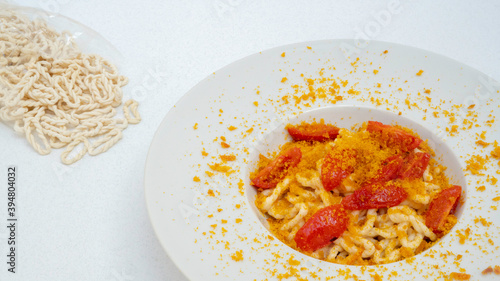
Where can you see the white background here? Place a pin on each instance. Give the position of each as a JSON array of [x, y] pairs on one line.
[[89, 221]]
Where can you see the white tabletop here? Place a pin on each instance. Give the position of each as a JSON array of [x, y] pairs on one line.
[[89, 221]]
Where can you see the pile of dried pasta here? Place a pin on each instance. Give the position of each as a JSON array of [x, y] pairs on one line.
[[56, 95]]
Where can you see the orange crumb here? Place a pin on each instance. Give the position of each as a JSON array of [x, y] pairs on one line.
[[227, 158], [385, 52], [375, 71], [196, 179], [237, 206], [204, 153], [481, 188], [482, 143], [482, 136], [496, 150], [283, 80], [240, 187], [496, 199], [493, 180], [309, 47], [221, 168], [211, 193], [232, 128], [475, 164], [351, 91], [453, 130], [420, 72], [488, 270], [283, 55], [354, 63], [471, 106], [256, 103], [195, 126], [496, 270], [464, 236], [237, 256], [427, 91], [293, 262], [483, 221], [225, 145], [223, 221], [459, 276], [238, 220]]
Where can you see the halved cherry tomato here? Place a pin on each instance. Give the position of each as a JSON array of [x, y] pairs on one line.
[[313, 132], [375, 196], [441, 206], [322, 227], [271, 175], [337, 165], [415, 165], [390, 169], [393, 136]]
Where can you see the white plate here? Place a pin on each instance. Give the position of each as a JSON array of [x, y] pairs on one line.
[[183, 212]]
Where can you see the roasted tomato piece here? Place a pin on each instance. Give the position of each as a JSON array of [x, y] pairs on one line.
[[389, 170], [271, 175], [375, 196], [393, 136], [337, 165], [415, 165], [441, 206], [454, 208], [313, 132], [326, 224]]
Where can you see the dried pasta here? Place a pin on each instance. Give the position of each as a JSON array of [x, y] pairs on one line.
[[54, 94]]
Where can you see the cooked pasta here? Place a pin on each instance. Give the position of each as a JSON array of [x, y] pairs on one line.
[[56, 95], [373, 235]]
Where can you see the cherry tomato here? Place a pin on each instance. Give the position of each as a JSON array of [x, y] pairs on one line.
[[389, 170], [336, 167], [415, 165], [326, 224], [271, 175], [313, 132], [393, 136], [441, 206], [375, 196]]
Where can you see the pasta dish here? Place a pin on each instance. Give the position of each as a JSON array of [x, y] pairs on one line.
[[367, 196]]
